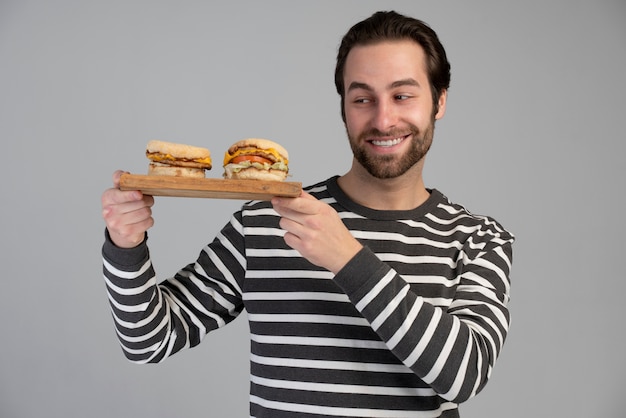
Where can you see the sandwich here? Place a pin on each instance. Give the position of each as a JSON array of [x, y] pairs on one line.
[[172, 159], [256, 159]]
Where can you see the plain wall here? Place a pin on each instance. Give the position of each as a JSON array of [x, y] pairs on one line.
[[533, 136]]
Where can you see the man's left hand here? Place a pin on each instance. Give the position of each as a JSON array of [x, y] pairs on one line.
[[316, 231]]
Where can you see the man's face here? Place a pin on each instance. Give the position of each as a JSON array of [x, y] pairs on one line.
[[389, 106]]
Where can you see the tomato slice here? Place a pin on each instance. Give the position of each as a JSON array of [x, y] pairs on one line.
[[251, 158]]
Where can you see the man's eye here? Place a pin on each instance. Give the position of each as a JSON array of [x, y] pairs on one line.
[[402, 96], [362, 100]]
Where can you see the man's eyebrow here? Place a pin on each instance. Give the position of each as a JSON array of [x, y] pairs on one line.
[[358, 85], [405, 82], [400, 83]]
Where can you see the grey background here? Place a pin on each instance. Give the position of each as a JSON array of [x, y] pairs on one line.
[[533, 136]]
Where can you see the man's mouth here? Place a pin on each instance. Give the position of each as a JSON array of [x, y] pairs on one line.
[[388, 142]]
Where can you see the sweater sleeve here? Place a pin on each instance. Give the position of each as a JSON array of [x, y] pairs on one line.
[[452, 349], [155, 320]]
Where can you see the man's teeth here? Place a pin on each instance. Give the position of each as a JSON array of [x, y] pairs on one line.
[[387, 142]]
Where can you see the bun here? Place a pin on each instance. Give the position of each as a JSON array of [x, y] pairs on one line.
[[155, 169], [181, 151]]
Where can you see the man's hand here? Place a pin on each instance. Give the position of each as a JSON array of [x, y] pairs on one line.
[[316, 231], [127, 214]]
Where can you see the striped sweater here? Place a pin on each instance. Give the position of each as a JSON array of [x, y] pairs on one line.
[[410, 327]]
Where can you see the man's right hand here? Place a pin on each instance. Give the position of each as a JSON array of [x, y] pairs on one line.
[[127, 214]]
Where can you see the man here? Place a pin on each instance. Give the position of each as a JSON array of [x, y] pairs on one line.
[[369, 295]]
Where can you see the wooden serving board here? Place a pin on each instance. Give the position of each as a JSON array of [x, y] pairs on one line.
[[209, 188]]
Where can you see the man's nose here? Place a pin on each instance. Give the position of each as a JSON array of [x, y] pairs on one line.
[[385, 116]]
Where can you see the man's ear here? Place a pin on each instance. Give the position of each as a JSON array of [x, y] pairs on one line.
[[441, 108]]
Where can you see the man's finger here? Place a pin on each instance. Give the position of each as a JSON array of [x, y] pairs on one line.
[[116, 178], [305, 204]]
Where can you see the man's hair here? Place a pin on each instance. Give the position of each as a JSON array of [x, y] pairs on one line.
[[392, 26]]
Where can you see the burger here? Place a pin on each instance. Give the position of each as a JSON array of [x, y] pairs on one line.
[[172, 159], [257, 159]]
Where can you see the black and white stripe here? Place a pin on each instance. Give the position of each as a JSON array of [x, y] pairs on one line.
[[410, 327]]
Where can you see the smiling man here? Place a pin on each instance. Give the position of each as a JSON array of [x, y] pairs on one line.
[[370, 295]]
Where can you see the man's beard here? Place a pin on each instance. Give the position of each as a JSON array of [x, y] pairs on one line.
[[392, 165]]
